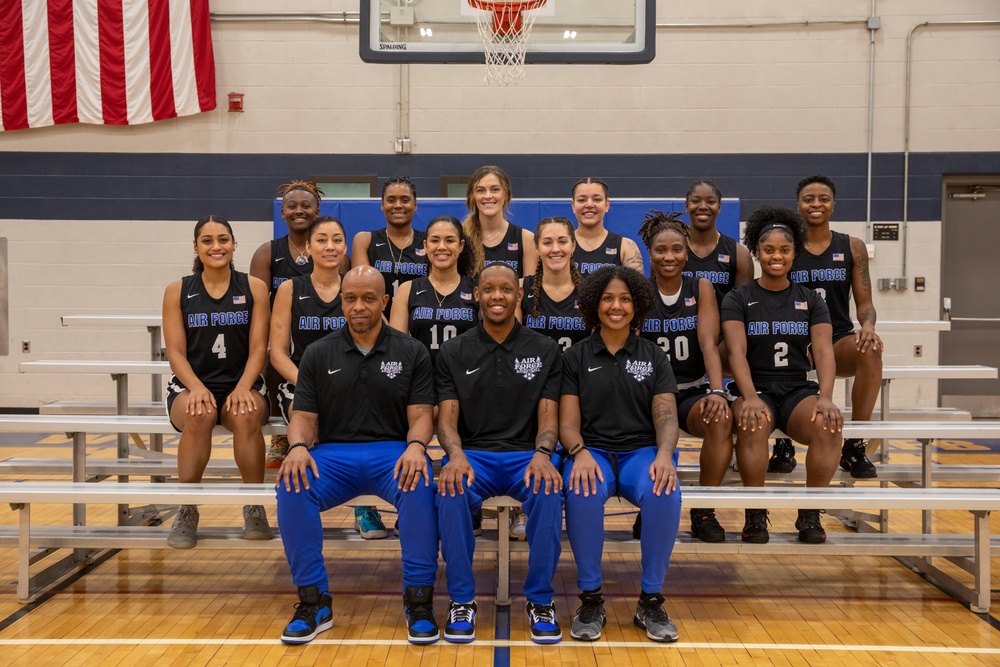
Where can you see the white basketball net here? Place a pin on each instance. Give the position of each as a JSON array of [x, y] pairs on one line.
[[504, 44]]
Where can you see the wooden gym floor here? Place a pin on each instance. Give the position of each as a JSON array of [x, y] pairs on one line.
[[201, 607]]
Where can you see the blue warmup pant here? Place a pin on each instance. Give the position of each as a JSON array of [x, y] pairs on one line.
[[628, 474], [501, 474], [347, 470]]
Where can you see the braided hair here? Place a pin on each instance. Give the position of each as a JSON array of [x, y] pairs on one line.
[[574, 271], [308, 186], [473, 226], [658, 221], [400, 180]]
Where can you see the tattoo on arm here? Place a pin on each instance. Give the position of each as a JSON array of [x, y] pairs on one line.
[[664, 413], [861, 262], [635, 261], [868, 315], [547, 439], [448, 445]]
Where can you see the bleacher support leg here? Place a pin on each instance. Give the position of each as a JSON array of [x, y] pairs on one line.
[[981, 605], [503, 556]]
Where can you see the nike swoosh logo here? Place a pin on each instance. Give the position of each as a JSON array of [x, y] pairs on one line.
[[591, 370], [752, 303], [379, 245], [279, 259], [303, 297], [332, 372], [191, 296], [421, 291], [472, 371]]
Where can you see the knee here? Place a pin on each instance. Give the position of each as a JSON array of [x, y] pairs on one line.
[[720, 429]]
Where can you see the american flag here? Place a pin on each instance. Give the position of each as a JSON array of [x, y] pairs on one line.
[[690, 301], [105, 62], [241, 299], [838, 257], [511, 246], [724, 259], [801, 305]]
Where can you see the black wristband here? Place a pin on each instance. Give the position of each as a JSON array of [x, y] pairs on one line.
[[419, 442], [543, 450], [576, 449], [297, 444]]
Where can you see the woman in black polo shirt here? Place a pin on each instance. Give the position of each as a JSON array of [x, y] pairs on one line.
[[618, 423]]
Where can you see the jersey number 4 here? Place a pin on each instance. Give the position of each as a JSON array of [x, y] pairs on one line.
[[219, 346]]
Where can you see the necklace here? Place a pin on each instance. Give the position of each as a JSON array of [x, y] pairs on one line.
[[396, 261], [488, 240], [301, 260]]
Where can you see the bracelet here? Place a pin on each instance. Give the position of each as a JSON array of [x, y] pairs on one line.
[[297, 444], [419, 442], [543, 450], [719, 392], [576, 449]]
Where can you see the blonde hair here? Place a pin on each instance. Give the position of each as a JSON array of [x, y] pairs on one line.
[[471, 224]]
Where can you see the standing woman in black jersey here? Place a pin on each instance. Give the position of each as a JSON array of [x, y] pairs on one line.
[[550, 304], [596, 245], [441, 305], [685, 323], [772, 326], [397, 250], [215, 326], [713, 255], [490, 236]]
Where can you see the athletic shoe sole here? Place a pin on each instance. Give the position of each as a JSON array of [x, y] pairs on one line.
[[322, 627], [459, 639]]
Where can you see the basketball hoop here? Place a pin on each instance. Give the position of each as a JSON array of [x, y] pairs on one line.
[[504, 28]]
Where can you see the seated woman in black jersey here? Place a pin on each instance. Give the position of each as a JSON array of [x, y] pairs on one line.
[[491, 238], [550, 304], [596, 245], [215, 325], [685, 324], [618, 423], [771, 326], [438, 307], [397, 251]]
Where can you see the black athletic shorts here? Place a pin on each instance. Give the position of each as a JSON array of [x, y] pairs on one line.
[[782, 398], [175, 387]]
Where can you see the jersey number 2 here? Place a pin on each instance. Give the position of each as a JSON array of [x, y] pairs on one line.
[[219, 346], [780, 354]]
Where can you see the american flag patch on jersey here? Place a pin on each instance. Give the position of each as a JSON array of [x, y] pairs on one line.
[[690, 301], [511, 246], [724, 258], [420, 252], [838, 257], [239, 300], [610, 251], [465, 295], [801, 305]]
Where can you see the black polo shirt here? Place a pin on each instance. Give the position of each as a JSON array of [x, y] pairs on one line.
[[498, 385], [616, 391], [363, 398]]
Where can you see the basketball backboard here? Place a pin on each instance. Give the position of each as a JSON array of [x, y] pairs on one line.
[[565, 31]]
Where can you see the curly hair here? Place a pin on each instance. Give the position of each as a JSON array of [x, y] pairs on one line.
[[658, 221], [199, 267], [464, 264], [399, 180], [308, 186], [574, 271], [473, 226], [766, 218], [816, 178], [594, 285]]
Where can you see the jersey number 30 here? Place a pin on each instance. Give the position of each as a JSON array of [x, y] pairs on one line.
[[219, 346]]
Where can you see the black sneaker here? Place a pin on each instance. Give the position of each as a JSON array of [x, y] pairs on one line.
[[590, 617], [755, 527], [854, 459], [637, 527], [782, 456], [544, 624], [705, 527], [809, 527], [312, 616], [477, 522], [461, 625], [418, 602], [650, 616]]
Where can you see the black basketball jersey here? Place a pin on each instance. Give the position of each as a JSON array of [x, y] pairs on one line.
[[608, 253], [508, 251], [312, 318], [718, 267], [285, 265], [675, 329], [559, 320], [432, 322], [829, 273], [777, 326], [217, 330], [396, 265]]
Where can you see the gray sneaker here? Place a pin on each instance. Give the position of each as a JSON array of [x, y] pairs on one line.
[[184, 532], [255, 526], [589, 618], [650, 616]]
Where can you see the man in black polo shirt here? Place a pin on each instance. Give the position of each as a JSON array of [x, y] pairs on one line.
[[498, 390], [362, 420]]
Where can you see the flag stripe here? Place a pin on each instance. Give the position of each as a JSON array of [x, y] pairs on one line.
[[135, 39], [161, 83], [88, 61], [12, 87], [182, 58], [204, 58], [37, 83], [62, 62], [112, 48]]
